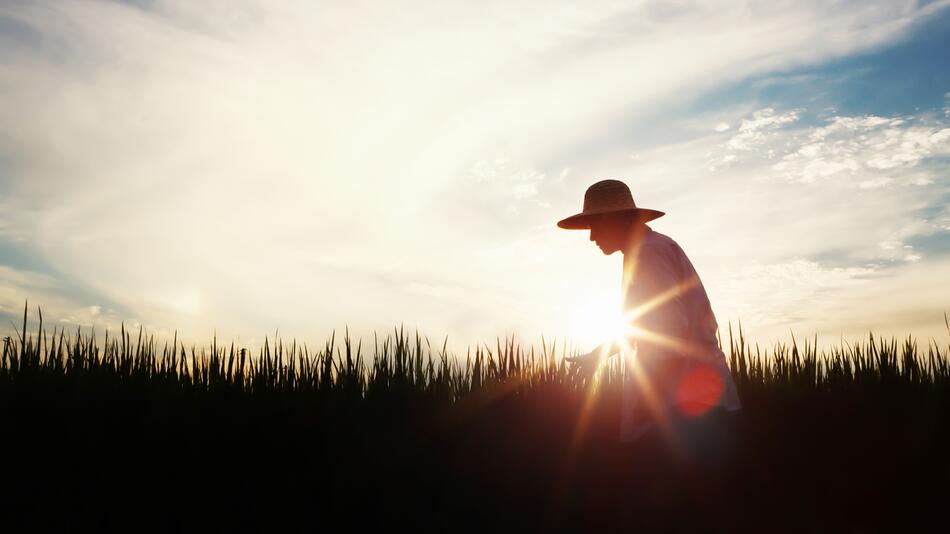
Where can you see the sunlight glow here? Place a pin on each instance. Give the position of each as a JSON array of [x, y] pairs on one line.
[[599, 319], [187, 301]]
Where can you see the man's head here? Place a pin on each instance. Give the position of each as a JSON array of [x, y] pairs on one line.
[[611, 215], [615, 231]]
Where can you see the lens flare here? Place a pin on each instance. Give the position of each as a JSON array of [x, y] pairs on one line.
[[698, 391]]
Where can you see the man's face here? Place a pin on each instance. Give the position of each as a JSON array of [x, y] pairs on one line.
[[609, 232]]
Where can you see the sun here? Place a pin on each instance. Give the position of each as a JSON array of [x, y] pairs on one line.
[[597, 321]]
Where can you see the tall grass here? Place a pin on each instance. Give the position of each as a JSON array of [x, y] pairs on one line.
[[408, 365], [123, 433]]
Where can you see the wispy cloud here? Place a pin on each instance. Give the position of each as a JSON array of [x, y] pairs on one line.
[[783, 295], [871, 147], [752, 131], [52, 298]]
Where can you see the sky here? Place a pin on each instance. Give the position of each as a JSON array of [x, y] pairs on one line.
[[250, 168]]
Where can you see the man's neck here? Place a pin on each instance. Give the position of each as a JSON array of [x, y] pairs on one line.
[[635, 235]]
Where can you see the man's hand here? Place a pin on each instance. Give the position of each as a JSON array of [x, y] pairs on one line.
[[584, 365]]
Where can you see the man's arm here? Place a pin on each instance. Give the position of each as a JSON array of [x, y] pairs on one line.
[[612, 347]]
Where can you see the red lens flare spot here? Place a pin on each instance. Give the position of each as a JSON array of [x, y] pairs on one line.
[[698, 391]]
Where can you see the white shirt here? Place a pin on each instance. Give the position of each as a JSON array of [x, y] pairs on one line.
[[677, 363]]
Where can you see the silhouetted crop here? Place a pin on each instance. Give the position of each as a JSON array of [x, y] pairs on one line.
[[118, 432]]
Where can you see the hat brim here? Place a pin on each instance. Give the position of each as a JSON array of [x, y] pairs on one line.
[[581, 221]]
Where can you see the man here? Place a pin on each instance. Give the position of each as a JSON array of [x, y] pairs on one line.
[[678, 390]]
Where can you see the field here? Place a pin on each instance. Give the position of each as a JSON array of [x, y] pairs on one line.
[[120, 433]]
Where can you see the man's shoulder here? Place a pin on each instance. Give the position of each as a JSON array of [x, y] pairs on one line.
[[656, 241], [656, 237], [656, 251]]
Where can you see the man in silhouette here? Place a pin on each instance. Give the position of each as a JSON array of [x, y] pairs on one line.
[[679, 398]]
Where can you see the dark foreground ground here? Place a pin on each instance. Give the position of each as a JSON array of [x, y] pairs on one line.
[[133, 438], [132, 457]]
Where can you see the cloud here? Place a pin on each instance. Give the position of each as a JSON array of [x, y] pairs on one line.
[[870, 150], [777, 294], [878, 145], [752, 132], [502, 182], [874, 183], [47, 293], [811, 299]]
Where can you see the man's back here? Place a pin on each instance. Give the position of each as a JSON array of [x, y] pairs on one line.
[[668, 305]]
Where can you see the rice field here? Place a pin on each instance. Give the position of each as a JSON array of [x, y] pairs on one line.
[[119, 432]]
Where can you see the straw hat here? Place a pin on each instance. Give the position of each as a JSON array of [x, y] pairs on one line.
[[607, 196]]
